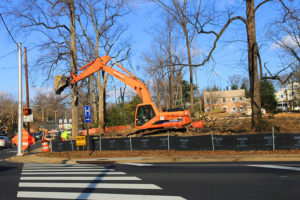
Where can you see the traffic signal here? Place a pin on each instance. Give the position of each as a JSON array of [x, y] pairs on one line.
[[27, 111]]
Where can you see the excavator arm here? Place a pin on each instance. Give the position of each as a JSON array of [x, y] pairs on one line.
[[61, 82]]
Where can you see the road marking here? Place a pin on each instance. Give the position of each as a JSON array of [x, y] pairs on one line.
[[142, 186], [11, 151], [76, 195], [67, 170], [57, 165], [276, 167], [55, 168], [77, 173], [81, 178], [139, 164]]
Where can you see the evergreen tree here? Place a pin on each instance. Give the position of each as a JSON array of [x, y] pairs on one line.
[[234, 87], [267, 95]]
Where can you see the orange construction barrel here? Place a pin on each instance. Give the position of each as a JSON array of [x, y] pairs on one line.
[[45, 146]]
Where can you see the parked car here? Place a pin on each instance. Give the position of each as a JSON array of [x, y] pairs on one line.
[[5, 142]]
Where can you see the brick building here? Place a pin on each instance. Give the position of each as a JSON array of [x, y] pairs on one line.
[[230, 101]]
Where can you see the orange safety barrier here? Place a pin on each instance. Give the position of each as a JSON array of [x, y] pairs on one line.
[[198, 124], [45, 146], [94, 131], [27, 139]]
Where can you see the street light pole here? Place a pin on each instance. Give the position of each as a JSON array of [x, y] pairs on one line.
[[20, 117]]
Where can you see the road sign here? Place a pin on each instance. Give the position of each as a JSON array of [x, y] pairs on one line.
[[87, 119], [87, 114], [28, 118], [80, 141]]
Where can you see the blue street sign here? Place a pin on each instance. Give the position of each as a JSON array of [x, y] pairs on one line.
[[87, 119], [87, 114]]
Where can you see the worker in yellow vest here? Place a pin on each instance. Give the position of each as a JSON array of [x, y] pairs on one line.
[[65, 135]]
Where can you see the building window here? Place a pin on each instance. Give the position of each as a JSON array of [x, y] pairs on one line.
[[282, 96], [241, 99], [207, 101], [233, 99], [216, 101], [242, 110], [233, 110], [224, 100]]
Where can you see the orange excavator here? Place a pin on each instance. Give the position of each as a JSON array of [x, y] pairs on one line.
[[147, 116]]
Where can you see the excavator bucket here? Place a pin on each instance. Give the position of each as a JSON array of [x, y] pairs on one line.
[[60, 83]]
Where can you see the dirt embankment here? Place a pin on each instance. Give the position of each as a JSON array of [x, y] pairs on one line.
[[222, 123]]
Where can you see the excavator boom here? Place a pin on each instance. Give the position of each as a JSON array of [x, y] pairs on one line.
[[61, 82]]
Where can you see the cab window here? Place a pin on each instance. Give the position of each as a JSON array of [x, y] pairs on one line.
[[144, 114]]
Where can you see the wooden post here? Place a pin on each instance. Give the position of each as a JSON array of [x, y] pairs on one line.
[[27, 88]]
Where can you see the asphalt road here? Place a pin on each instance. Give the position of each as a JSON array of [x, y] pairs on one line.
[[10, 172], [169, 181]]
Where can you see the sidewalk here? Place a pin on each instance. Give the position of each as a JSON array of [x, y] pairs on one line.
[[36, 157]]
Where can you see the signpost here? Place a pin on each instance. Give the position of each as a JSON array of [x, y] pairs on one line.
[[28, 118], [87, 119], [80, 141]]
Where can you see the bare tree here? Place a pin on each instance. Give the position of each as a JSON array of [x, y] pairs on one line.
[[160, 64], [59, 46], [179, 11], [285, 35], [203, 22], [104, 39]]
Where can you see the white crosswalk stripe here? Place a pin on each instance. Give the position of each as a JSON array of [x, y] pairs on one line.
[[47, 181]]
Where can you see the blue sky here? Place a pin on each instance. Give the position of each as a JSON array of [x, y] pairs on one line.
[[227, 57]]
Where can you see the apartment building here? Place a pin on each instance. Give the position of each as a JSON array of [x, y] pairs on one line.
[[230, 101]]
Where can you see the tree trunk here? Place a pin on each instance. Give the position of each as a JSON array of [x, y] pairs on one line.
[[199, 99], [253, 70], [74, 71], [101, 104], [171, 73], [94, 100], [191, 70]]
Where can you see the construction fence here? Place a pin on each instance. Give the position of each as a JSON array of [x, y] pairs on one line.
[[243, 142]]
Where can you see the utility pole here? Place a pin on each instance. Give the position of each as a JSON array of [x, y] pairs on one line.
[[27, 88], [20, 117]]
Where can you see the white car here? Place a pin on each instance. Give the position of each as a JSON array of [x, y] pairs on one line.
[[4, 142]]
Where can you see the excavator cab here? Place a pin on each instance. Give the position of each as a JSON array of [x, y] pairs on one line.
[[144, 113]]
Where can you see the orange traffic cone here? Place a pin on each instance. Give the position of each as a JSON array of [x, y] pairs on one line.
[[45, 146]]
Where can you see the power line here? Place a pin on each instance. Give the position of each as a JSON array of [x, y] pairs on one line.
[[8, 30], [3, 56]]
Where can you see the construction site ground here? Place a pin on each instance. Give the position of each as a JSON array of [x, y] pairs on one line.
[[220, 123]]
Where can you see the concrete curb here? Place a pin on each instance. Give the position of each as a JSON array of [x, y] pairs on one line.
[[33, 158]]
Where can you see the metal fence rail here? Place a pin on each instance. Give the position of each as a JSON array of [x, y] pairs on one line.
[[244, 142]]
